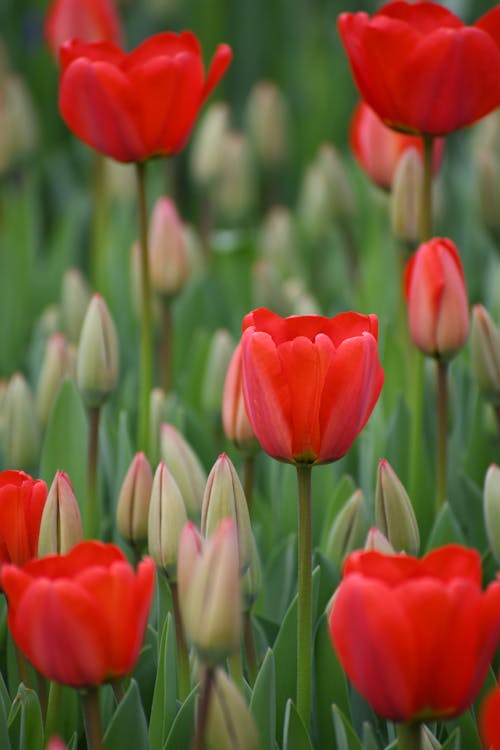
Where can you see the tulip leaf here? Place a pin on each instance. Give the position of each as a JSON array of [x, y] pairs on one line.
[[181, 733], [280, 575], [345, 736], [25, 720], [445, 530], [65, 444], [128, 726], [469, 736], [369, 739], [62, 710], [4, 734], [453, 742], [263, 702], [164, 706], [331, 685], [295, 735]]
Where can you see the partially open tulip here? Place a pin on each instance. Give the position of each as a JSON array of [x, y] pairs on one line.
[[438, 310], [310, 383], [420, 68], [489, 720], [88, 20], [139, 105], [22, 500], [425, 625], [80, 618]]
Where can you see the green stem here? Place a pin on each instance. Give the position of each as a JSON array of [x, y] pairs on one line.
[[496, 410], [249, 643], [118, 690], [92, 511], [146, 343], [166, 343], [203, 706], [426, 208], [92, 719], [304, 610], [408, 736], [42, 694], [442, 438], [183, 675], [248, 480], [236, 669], [99, 218]]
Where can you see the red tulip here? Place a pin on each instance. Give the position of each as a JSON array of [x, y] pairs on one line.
[[136, 106], [22, 500], [489, 720], [438, 310], [310, 383], [378, 148], [415, 637], [420, 68], [235, 420], [88, 20], [80, 618]]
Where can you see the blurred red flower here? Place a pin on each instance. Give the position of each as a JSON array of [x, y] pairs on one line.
[[415, 637], [489, 720], [139, 105], [22, 500], [88, 20], [420, 68]]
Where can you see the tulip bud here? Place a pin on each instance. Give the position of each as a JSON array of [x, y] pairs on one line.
[[219, 355], [97, 359], [394, 513], [75, 298], [21, 431], [48, 322], [405, 198], [347, 531], [167, 518], [491, 509], [18, 122], [235, 190], [427, 739], [209, 143], [299, 300], [168, 253], [209, 595], [278, 240], [133, 502], [485, 351], [268, 287], [189, 554], [56, 743], [234, 414], [267, 120], [55, 368], [230, 724], [157, 417], [185, 467], [378, 542], [61, 525], [224, 498]]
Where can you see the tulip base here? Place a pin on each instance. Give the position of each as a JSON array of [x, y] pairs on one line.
[[207, 682], [409, 736], [304, 606], [442, 447], [146, 332]]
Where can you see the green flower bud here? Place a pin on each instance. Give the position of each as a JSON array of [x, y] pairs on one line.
[[267, 121], [348, 529], [132, 510], [405, 196], [394, 514], [61, 524], [97, 358], [219, 355], [208, 144], [488, 169], [230, 724], [168, 252], [278, 240], [56, 366], [235, 190], [491, 509], [377, 542], [427, 739], [167, 518], [75, 298], [21, 429], [185, 467], [485, 351]]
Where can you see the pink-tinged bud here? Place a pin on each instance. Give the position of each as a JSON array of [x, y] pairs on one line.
[[190, 549], [167, 518], [485, 353], [61, 524], [185, 466], [56, 366], [235, 420], [98, 358], [438, 310], [168, 252], [56, 743], [378, 542], [133, 502]]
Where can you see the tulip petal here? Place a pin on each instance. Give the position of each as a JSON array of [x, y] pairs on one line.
[[166, 44], [425, 17], [220, 63]]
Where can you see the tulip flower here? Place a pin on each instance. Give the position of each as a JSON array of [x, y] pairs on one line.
[[426, 625], [22, 500], [235, 420], [88, 20], [80, 618], [489, 720], [378, 148], [420, 68], [139, 105]]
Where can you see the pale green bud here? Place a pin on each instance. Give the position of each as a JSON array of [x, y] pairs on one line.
[[299, 300], [485, 353], [405, 196], [491, 509], [230, 724], [377, 542], [21, 428], [394, 514], [132, 510], [61, 525], [235, 190], [267, 121], [97, 358], [218, 358], [185, 467], [348, 529], [167, 517], [56, 367], [427, 739], [208, 144], [75, 298], [278, 240]]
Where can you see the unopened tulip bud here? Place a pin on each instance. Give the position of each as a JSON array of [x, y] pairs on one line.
[[133, 502], [61, 524], [251, 581], [378, 542], [405, 198], [235, 420], [394, 514], [230, 724], [211, 601], [438, 309], [268, 287], [300, 300], [235, 190], [427, 739], [267, 120], [48, 322], [97, 359], [167, 518], [278, 240], [208, 144], [219, 355], [168, 252], [75, 298], [485, 353], [55, 368], [224, 497], [18, 122], [190, 550], [185, 467], [21, 429], [348, 529], [491, 509], [56, 743]]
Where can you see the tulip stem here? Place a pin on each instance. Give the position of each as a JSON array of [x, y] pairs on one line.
[[92, 719], [92, 509], [426, 208], [99, 216], [183, 676], [248, 479], [146, 343], [208, 679], [166, 341], [236, 669], [304, 608], [442, 446], [408, 736], [249, 642]]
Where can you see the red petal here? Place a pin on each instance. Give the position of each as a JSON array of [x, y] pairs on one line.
[[490, 23], [165, 44], [220, 63], [425, 17], [95, 51]]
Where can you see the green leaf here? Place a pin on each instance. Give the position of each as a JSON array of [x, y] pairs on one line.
[[280, 575], [65, 444], [331, 685], [295, 735], [164, 705], [62, 710], [445, 530], [345, 736], [369, 739], [25, 720], [263, 702], [4, 734], [128, 726], [182, 729], [469, 736], [453, 742]]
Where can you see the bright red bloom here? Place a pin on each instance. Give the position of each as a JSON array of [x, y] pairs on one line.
[[415, 637], [80, 618], [489, 720], [235, 420], [438, 309], [22, 500], [310, 383], [378, 148], [88, 20], [136, 106], [420, 68]]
